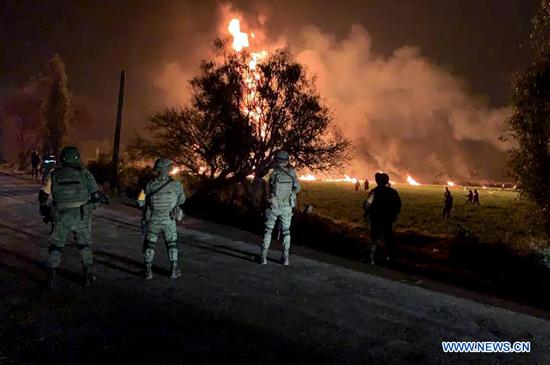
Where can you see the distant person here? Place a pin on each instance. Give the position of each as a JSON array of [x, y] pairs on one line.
[[35, 162], [475, 199], [448, 201], [357, 185], [470, 197], [366, 184], [382, 206]]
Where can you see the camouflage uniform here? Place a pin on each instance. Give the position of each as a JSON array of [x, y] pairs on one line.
[[163, 200], [282, 188], [74, 191]]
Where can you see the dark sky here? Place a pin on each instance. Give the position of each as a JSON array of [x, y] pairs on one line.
[[476, 40]]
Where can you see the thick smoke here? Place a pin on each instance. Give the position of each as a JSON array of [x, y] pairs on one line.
[[405, 114]]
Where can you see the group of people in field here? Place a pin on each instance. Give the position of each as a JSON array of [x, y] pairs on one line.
[[472, 198]]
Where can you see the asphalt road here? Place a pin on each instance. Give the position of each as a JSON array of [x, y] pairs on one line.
[[225, 308]]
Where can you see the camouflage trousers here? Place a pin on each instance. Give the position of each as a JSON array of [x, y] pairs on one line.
[[155, 227], [81, 227], [284, 215]]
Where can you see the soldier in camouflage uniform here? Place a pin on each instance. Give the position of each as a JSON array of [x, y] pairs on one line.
[[282, 189], [162, 200], [74, 193]]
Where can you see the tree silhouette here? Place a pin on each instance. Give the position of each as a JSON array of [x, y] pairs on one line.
[[241, 115], [529, 125]]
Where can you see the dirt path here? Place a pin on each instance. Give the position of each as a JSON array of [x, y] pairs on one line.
[[224, 308]]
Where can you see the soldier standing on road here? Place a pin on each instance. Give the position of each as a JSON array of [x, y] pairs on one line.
[[74, 194], [282, 188], [448, 201], [162, 199], [35, 161], [382, 206]]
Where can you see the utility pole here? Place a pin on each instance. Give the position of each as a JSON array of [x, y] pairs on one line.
[[115, 182]]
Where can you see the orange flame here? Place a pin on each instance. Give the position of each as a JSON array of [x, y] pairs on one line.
[[240, 39], [412, 181], [307, 178], [175, 170]]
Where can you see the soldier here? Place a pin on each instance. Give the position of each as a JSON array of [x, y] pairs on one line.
[[74, 194], [448, 201], [162, 201], [382, 206], [366, 184], [282, 189]]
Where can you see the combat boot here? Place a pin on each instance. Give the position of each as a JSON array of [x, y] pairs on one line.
[[89, 276], [284, 258], [51, 278], [175, 272], [148, 271]]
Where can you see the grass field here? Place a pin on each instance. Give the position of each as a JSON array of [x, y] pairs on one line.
[[502, 216]]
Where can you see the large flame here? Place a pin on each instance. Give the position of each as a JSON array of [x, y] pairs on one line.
[[450, 183], [250, 106], [412, 181], [307, 178], [240, 39]]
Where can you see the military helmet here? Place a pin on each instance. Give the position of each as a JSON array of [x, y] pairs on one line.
[[163, 165], [70, 155], [281, 155]]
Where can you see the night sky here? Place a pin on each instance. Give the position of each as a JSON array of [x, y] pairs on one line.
[[474, 41]]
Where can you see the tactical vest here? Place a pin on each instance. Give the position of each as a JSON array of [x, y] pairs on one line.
[[69, 188], [282, 187], [164, 200]]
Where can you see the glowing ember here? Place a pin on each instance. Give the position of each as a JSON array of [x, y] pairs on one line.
[[450, 183], [175, 170], [307, 178], [412, 181]]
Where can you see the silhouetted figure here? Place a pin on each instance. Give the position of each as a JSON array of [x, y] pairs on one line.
[[475, 199], [366, 184], [35, 162], [357, 185], [382, 206], [448, 200], [470, 197]]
